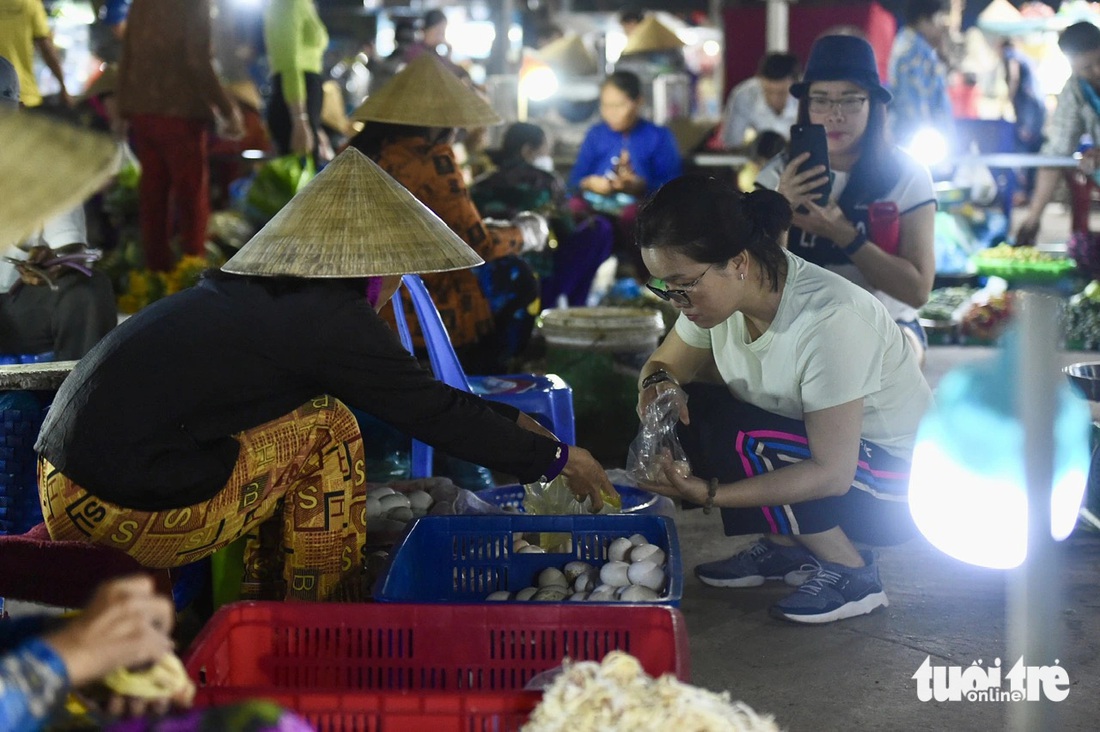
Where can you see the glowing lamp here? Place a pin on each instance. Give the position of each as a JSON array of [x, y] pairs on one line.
[[967, 489], [929, 146], [537, 83]]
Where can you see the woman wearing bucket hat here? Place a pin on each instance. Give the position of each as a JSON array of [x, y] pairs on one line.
[[409, 127], [218, 412], [877, 227]]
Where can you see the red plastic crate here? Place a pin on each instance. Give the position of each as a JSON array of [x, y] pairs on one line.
[[402, 711], [398, 666]]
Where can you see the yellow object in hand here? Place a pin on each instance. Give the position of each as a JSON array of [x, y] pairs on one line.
[[166, 678]]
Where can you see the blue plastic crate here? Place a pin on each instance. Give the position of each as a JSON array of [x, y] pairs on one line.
[[464, 558], [635, 500]]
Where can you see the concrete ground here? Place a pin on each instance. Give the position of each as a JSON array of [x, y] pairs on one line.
[[857, 673]]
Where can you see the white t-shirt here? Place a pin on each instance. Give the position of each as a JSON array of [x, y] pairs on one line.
[[748, 109], [830, 343], [66, 228], [912, 190]]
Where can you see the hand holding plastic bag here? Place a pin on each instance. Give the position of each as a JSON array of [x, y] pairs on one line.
[[657, 438], [555, 499]]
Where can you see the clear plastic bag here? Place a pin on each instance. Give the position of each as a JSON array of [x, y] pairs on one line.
[[555, 499], [468, 502], [657, 438]]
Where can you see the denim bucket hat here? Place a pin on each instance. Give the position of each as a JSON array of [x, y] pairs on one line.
[[842, 58]]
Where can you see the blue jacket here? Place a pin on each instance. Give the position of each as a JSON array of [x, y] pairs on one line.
[[653, 153], [33, 679]]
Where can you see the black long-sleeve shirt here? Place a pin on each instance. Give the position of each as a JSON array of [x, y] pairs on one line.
[[146, 419]]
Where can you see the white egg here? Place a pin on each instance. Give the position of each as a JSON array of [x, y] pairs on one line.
[[646, 574], [526, 593], [648, 553], [499, 595], [394, 500], [586, 582], [519, 544], [578, 597], [638, 539], [447, 491], [382, 490], [615, 574], [442, 508], [400, 513], [637, 593], [552, 577], [420, 500], [618, 550], [576, 569], [553, 593], [374, 507], [531, 549], [603, 593]]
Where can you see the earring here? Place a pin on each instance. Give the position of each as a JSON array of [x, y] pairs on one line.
[[742, 276]]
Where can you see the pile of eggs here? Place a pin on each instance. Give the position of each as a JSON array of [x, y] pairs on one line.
[[392, 505], [635, 572]]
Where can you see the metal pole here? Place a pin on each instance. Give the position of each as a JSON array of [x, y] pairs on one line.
[[1035, 589], [718, 20], [776, 26]]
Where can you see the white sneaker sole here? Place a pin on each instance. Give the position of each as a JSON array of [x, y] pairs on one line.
[[754, 581], [848, 610], [793, 579]]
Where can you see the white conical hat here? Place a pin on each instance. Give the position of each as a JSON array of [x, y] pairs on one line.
[[48, 167], [569, 56], [352, 220], [651, 35], [427, 94]]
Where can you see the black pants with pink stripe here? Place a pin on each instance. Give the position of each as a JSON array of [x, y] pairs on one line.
[[731, 440]]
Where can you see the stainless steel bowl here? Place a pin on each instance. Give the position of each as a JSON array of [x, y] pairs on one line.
[[1086, 377]]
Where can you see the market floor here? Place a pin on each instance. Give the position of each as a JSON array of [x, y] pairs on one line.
[[857, 674]]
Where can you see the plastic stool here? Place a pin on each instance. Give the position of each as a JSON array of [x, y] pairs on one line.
[[547, 396]]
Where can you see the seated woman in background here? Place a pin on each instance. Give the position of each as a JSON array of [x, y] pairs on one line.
[[877, 227], [524, 180], [623, 158], [409, 133], [808, 434]]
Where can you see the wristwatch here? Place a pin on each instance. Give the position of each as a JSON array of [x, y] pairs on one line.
[[656, 378], [856, 244]]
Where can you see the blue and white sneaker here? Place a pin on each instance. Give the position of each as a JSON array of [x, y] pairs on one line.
[[760, 562], [835, 592]]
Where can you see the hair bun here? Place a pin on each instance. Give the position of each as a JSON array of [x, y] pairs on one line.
[[769, 210]]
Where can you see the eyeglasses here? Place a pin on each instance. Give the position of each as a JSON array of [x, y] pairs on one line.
[[679, 297], [846, 105]]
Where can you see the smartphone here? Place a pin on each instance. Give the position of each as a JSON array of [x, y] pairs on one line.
[[811, 139]]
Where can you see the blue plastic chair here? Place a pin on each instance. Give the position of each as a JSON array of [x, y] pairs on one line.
[[548, 398]]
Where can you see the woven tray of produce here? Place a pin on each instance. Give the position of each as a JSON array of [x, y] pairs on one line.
[[1023, 264]]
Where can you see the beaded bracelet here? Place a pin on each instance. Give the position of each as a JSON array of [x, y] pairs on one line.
[[712, 491]]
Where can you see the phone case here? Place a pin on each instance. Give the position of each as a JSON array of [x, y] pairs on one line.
[[884, 225], [811, 139]]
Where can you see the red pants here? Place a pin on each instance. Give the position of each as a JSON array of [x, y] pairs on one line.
[[175, 182]]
